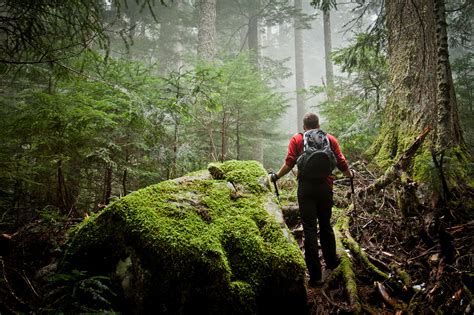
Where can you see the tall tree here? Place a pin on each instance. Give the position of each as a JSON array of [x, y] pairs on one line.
[[325, 6], [327, 54], [253, 31], [299, 67], [207, 29], [422, 89]]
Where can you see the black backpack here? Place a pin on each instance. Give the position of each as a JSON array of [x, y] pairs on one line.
[[318, 159]]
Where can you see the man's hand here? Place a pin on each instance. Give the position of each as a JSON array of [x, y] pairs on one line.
[[273, 177], [349, 173]]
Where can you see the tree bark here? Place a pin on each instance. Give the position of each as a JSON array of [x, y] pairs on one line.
[[327, 54], [299, 69], [237, 132], [223, 136], [62, 193], [253, 36], [254, 49], [413, 103], [448, 123], [253, 42], [125, 173], [207, 29], [107, 184], [422, 92]]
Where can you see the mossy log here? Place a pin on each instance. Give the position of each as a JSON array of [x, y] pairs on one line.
[[196, 244]]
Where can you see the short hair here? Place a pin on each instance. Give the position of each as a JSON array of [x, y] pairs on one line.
[[311, 121]]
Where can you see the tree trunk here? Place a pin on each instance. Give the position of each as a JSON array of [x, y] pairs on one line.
[[253, 37], [223, 136], [107, 184], [254, 48], [417, 100], [207, 29], [173, 166], [61, 187], [237, 132], [448, 122], [124, 181], [125, 173], [299, 69], [169, 41], [179, 48], [327, 54]]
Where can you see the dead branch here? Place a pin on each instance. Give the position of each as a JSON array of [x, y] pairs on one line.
[[387, 298], [396, 170], [7, 283]]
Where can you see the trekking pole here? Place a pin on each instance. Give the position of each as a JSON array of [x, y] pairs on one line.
[[353, 193], [276, 187], [276, 191]]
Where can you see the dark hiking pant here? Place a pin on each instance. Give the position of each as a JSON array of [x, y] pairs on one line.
[[315, 199]]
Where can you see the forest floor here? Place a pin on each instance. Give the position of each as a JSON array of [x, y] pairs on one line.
[[403, 265], [409, 265]]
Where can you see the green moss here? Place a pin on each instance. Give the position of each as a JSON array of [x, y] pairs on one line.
[[197, 244], [345, 266], [250, 174], [456, 168], [245, 296]]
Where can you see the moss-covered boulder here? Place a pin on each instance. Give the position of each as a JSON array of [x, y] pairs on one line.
[[198, 244]]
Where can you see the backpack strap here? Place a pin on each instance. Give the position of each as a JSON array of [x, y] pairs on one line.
[[302, 138], [330, 143]]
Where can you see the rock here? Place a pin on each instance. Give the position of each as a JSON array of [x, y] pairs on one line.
[[190, 245]]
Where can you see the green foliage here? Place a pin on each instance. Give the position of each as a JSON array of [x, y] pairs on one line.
[[324, 5], [460, 14], [219, 105], [43, 31], [354, 114], [51, 215], [117, 117], [77, 129], [348, 119], [75, 291], [364, 56]]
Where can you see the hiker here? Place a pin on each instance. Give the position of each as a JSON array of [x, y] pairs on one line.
[[315, 195]]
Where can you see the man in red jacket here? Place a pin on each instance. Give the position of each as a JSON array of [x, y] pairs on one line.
[[315, 199]]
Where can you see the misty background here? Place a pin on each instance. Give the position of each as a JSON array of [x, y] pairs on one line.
[[171, 41]]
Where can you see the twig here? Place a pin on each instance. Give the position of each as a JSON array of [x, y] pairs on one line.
[[30, 284], [428, 251], [339, 306], [8, 284], [387, 298]]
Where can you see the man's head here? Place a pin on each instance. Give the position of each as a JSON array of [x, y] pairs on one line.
[[310, 121]]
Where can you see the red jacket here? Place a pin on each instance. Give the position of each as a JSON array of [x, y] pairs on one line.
[[295, 149]]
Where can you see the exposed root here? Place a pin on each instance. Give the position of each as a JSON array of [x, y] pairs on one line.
[[345, 268]]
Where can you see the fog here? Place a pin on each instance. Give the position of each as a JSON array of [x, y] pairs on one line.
[[313, 52], [168, 35]]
